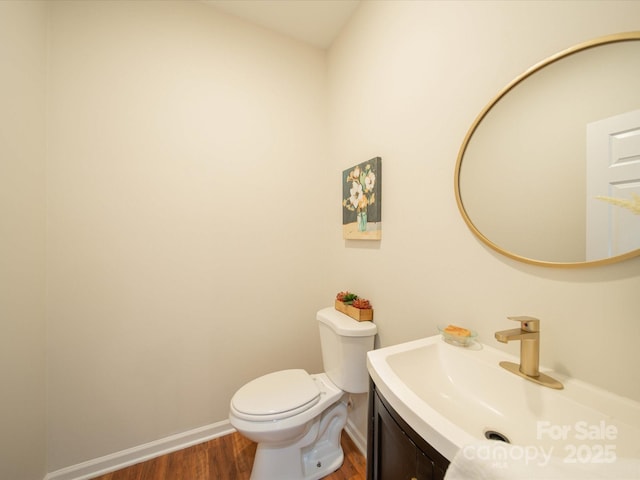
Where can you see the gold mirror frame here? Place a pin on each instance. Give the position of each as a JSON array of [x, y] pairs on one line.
[[609, 39]]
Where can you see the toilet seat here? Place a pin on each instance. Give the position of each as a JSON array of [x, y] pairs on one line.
[[276, 396]]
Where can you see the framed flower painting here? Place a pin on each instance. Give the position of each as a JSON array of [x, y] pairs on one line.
[[361, 201]]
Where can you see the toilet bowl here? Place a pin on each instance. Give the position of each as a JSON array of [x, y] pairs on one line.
[[282, 436], [297, 418]]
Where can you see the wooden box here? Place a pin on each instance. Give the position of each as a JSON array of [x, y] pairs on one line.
[[359, 314], [341, 307]]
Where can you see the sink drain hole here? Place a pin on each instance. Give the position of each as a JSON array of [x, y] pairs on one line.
[[493, 435]]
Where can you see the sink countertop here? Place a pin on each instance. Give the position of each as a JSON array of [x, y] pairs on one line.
[[451, 395]]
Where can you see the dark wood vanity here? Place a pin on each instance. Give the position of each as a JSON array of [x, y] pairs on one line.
[[394, 450]]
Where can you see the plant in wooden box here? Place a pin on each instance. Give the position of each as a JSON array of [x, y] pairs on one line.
[[343, 299], [357, 308]]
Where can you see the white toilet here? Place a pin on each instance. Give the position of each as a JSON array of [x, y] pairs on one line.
[[297, 418]]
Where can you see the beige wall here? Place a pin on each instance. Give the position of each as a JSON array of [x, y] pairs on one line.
[[22, 243], [187, 218], [193, 224], [407, 79]]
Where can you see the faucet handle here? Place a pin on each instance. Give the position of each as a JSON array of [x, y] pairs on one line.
[[528, 324]]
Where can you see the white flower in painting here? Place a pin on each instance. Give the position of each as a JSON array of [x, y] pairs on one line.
[[356, 194], [370, 181]]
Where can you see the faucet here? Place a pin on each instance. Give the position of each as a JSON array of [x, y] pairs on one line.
[[529, 336]]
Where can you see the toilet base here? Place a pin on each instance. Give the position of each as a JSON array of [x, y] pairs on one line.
[[315, 455]]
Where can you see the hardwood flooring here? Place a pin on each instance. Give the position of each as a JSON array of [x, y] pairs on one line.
[[226, 458]]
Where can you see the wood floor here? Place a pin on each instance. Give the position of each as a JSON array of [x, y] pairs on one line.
[[225, 458]]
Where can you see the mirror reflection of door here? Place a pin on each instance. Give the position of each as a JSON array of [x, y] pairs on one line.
[[613, 170]]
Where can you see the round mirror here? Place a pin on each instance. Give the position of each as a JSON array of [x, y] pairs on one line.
[[549, 172]]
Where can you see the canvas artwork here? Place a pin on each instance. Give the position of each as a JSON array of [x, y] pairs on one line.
[[361, 201]]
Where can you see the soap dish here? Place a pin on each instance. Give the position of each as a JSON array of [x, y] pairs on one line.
[[457, 340]]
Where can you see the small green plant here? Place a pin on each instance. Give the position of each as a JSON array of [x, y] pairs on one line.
[[346, 297]]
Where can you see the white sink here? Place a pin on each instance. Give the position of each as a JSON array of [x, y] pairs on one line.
[[452, 395]]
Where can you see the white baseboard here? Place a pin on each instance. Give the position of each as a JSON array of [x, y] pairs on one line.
[[131, 456], [141, 453], [356, 435]]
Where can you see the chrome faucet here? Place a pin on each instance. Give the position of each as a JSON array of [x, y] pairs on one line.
[[529, 336]]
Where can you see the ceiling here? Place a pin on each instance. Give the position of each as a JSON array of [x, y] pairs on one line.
[[317, 22]]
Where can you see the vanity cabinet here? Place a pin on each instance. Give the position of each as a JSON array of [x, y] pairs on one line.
[[394, 450]]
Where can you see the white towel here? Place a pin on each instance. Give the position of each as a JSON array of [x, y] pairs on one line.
[[494, 460]]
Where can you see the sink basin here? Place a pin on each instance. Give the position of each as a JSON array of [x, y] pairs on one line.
[[454, 396]]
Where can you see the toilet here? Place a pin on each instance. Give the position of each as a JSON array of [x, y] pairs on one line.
[[297, 418]]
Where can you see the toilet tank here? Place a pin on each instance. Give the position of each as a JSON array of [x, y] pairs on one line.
[[345, 343]]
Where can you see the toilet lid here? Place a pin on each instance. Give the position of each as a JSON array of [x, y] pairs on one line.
[[276, 395]]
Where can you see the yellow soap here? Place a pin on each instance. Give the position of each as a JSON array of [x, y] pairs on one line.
[[457, 331]]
